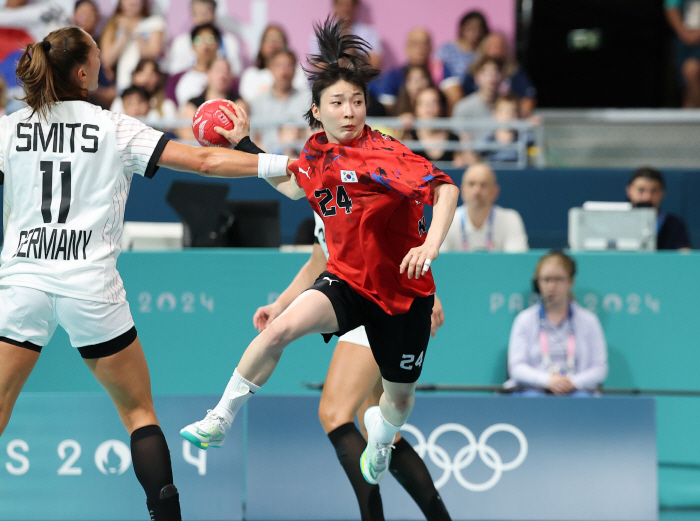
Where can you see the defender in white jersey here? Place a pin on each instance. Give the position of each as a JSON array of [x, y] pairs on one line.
[[67, 167], [352, 385]]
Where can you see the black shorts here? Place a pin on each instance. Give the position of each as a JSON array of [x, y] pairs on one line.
[[398, 342]]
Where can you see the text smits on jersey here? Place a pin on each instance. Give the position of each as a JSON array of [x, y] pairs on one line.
[[53, 244], [59, 137]]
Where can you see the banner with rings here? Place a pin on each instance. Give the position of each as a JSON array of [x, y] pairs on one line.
[[67, 457]]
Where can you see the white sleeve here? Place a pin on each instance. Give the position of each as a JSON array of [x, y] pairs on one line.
[[139, 145], [516, 238]]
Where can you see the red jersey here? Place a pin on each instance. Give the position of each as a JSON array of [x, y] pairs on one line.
[[370, 196]]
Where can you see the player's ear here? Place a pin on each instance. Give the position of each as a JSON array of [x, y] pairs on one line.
[[315, 112], [82, 77]]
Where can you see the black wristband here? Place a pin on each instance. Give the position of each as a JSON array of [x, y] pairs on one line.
[[246, 145]]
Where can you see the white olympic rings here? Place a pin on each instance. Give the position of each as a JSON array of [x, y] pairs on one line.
[[465, 456]]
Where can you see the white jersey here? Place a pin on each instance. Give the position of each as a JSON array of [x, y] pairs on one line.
[[66, 184]]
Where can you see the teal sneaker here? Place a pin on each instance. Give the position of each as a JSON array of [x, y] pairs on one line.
[[209, 432], [374, 462]]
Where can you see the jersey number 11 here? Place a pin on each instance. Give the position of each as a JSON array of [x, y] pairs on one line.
[[47, 190]]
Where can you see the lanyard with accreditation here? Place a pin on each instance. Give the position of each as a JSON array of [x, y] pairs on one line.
[[570, 344], [489, 230]]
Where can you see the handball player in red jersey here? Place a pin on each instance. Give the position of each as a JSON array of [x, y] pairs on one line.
[[369, 190]]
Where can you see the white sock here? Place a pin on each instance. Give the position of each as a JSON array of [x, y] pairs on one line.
[[237, 392], [384, 432]]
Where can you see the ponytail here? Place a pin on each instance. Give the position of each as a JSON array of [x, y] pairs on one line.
[[46, 69]]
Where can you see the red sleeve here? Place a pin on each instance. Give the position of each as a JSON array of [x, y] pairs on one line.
[[393, 165]]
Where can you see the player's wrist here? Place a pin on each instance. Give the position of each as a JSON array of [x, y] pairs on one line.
[[272, 165]]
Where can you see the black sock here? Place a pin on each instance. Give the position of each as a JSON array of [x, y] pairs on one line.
[[410, 471], [151, 459], [349, 445]]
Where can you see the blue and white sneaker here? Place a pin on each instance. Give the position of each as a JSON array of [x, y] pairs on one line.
[[374, 462], [209, 432]]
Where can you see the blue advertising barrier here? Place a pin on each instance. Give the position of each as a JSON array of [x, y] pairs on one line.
[[66, 457]]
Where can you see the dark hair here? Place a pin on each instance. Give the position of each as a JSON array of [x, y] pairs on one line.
[[46, 69], [206, 27], [473, 15], [567, 263], [286, 51], [135, 89], [81, 2], [260, 60], [648, 173], [341, 57], [404, 103], [212, 3], [141, 65]]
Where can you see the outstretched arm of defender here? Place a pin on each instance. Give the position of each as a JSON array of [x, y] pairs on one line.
[[308, 273]]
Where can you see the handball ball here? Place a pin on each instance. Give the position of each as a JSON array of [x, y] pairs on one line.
[[208, 116]]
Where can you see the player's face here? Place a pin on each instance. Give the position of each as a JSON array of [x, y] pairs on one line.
[[90, 70], [479, 188], [342, 112], [555, 283], [643, 190]]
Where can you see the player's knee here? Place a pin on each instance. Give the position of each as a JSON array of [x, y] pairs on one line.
[[279, 334], [401, 402], [332, 416]]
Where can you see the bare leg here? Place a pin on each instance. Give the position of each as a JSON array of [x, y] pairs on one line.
[[352, 374], [16, 364], [691, 76], [124, 375], [311, 312]]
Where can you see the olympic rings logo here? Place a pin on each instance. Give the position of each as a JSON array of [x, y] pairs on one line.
[[466, 455]]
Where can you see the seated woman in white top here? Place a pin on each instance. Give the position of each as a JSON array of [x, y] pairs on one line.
[[257, 79], [556, 346]]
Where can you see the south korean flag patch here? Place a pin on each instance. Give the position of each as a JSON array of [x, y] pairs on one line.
[[348, 176]]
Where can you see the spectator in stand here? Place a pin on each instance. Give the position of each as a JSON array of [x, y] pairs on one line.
[[479, 224], [458, 55], [480, 104], [281, 102], [181, 56], [515, 79], [419, 48], [205, 41], [257, 79], [556, 346], [136, 102], [86, 15], [131, 33], [147, 75], [684, 18], [417, 78], [346, 10], [647, 188], [506, 110], [431, 104], [219, 86]]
